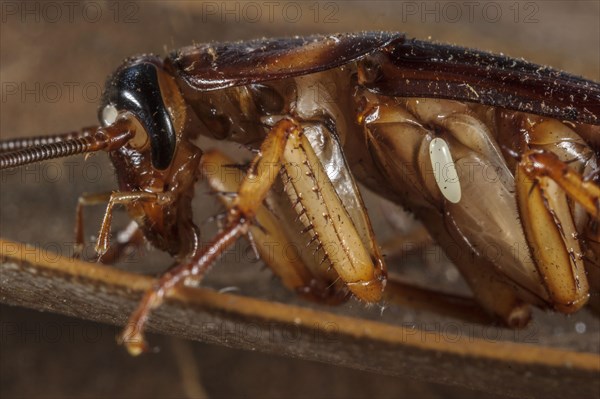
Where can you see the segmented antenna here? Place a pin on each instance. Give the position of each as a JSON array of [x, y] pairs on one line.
[[64, 145], [17, 144], [49, 151]]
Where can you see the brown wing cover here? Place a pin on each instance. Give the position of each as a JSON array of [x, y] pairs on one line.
[[416, 68], [399, 67], [219, 65]]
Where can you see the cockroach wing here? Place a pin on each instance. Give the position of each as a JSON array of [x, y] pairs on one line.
[[414, 68], [220, 65]]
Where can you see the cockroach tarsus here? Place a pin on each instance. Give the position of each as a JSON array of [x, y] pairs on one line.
[[414, 121]]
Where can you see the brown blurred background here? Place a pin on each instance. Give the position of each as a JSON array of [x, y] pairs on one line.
[[54, 59]]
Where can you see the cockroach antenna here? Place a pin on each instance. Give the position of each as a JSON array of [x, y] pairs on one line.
[[20, 152]]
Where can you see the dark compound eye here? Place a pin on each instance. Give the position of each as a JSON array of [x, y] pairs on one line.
[[135, 88]]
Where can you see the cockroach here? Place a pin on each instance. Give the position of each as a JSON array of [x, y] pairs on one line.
[[490, 152]]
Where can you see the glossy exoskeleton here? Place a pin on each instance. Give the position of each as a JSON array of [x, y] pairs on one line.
[[497, 156]]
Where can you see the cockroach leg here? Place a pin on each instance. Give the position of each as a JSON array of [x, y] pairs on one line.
[[130, 237], [278, 244], [251, 193], [85, 200], [555, 188], [541, 163], [543, 184], [340, 241], [495, 294], [132, 336], [399, 292], [125, 198], [352, 255]]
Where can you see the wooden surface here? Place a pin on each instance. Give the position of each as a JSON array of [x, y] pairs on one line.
[[38, 280]]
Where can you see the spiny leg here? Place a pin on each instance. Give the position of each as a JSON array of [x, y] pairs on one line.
[[251, 193], [124, 198], [131, 235], [544, 184], [132, 336], [541, 163], [85, 200], [275, 235], [338, 219]]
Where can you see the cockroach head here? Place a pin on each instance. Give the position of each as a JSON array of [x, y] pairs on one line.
[[141, 88]]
